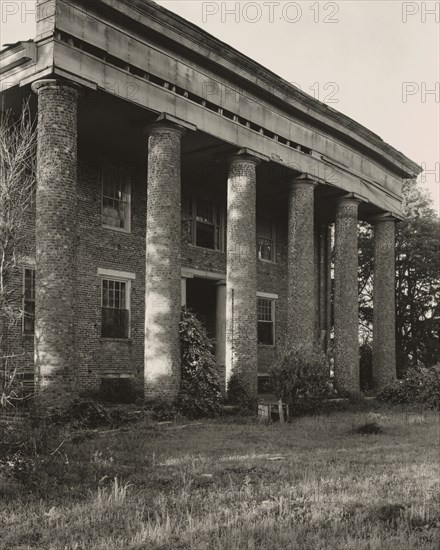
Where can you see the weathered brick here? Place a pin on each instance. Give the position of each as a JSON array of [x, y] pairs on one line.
[[384, 337], [241, 274], [163, 263], [56, 243], [301, 262], [346, 298]]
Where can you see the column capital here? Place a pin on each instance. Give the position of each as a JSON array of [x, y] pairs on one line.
[[383, 217], [163, 126], [54, 83], [167, 122], [305, 181], [246, 156], [351, 199]]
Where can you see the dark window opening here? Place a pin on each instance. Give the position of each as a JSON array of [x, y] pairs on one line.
[[205, 223], [265, 309], [29, 301], [115, 313]]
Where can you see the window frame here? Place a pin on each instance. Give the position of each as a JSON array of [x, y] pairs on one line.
[[120, 277], [273, 240], [127, 176], [272, 298], [26, 268], [218, 214]]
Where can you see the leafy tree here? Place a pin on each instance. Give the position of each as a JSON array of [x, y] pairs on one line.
[[417, 280]]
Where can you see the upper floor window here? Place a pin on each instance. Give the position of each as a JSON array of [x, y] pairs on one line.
[[116, 198], [266, 245], [29, 300], [266, 321], [206, 223]]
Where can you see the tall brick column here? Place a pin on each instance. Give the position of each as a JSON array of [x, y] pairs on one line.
[[324, 285], [163, 259], [346, 298], [301, 263], [329, 297], [55, 243], [384, 310], [241, 274]]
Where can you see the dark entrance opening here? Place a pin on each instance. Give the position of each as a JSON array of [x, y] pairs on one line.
[[201, 296]]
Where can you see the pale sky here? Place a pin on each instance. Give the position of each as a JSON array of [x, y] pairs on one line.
[[376, 60]]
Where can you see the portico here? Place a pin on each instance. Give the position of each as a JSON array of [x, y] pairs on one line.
[[243, 194]]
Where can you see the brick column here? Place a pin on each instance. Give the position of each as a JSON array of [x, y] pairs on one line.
[[324, 286], [163, 259], [220, 329], [329, 289], [55, 355], [301, 263], [241, 274], [317, 280], [346, 298], [384, 309]]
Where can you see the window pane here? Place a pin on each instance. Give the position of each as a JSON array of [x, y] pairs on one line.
[[114, 323], [265, 249], [265, 240], [264, 308], [29, 301], [205, 211], [115, 197], [265, 333], [29, 317], [205, 235]]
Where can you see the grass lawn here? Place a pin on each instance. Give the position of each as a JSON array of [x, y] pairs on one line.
[[309, 484]]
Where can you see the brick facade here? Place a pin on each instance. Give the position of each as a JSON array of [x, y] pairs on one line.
[[75, 247], [101, 247]]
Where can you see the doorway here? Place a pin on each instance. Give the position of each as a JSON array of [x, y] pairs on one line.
[[201, 298]]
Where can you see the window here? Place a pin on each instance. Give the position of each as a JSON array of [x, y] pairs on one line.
[[266, 318], [116, 191], [115, 308], [29, 300], [266, 240], [206, 223]]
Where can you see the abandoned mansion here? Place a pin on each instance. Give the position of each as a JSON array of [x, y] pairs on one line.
[[174, 171]]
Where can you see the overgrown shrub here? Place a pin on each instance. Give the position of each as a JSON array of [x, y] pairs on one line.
[[239, 396], [162, 411], [301, 377], [420, 386], [200, 393]]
